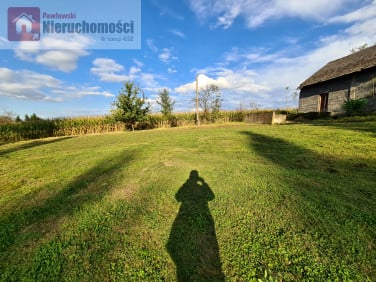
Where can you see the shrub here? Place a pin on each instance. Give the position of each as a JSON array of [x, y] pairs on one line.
[[355, 106]]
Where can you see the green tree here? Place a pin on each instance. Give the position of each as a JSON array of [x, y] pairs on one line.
[[165, 102], [130, 106], [209, 99]]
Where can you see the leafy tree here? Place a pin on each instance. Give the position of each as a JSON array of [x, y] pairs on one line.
[[165, 102], [129, 107], [216, 103], [209, 99]]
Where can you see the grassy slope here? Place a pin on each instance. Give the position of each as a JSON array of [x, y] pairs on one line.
[[291, 202]]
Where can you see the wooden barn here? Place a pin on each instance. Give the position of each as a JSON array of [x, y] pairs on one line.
[[350, 77]]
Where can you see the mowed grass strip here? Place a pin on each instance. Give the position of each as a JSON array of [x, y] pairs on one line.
[[292, 202]]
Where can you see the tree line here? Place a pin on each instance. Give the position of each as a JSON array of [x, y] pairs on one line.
[[130, 106]]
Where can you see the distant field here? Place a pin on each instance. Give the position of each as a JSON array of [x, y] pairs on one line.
[[289, 202]]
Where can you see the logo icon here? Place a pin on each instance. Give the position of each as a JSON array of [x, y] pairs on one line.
[[23, 24]]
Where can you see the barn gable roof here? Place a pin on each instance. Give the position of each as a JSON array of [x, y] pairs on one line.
[[356, 62]]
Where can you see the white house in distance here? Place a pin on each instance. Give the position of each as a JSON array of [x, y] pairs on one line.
[[24, 23]]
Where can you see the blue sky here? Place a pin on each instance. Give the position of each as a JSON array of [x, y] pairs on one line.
[[252, 49]]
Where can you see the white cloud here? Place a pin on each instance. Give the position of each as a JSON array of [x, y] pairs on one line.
[[65, 61], [29, 85], [134, 70], [256, 12], [178, 33], [56, 53], [26, 84], [241, 80], [229, 15], [107, 70], [149, 82], [83, 91], [106, 65], [113, 77], [151, 45], [363, 29], [5, 74], [172, 70], [167, 55], [250, 56], [138, 63], [235, 85], [364, 13]]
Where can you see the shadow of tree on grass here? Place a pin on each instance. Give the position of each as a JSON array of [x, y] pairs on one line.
[[85, 189], [334, 200], [193, 243], [324, 170], [32, 144]]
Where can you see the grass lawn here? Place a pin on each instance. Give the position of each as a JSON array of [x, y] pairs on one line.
[[233, 202]]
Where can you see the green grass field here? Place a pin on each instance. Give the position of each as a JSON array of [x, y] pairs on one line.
[[233, 202]]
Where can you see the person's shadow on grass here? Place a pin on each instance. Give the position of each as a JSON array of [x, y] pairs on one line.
[[193, 243]]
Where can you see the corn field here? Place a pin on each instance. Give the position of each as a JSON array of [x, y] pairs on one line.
[[42, 128]]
